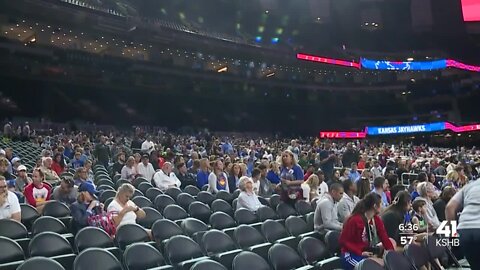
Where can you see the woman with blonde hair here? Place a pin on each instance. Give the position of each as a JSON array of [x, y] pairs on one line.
[[273, 174], [310, 188], [452, 179], [291, 176], [129, 171], [123, 210], [203, 173]]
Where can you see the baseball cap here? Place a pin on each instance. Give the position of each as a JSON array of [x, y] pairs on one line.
[[88, 187], [15, 159], [145, 156], [21, 168]]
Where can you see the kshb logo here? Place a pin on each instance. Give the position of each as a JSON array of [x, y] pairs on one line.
[[448, 233]]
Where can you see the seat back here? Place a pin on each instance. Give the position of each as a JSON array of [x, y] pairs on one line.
[[144, 186], [56, 209], [249, 260], [273, 231], [142, 256], [174, 212], [332, 241], [137, 181], [205, 197], [368, 264], [130, 233], [434, 251], [96, 258], [181, 248], [215, 241], [244, 216], [137, 193], [164, 229], [222, 206], [49, 244], [418, 255], [285, 210], [162, 201], [224, 195], [48, 224], [266, 212], [11, 251], [190, 226], [40, 263], [106, 194], [283, 257], [274, 201], [303, 207], [12, 229], [142, 201], [208, 265], [152, 193], [151, 215], [173, 192], [192, 190], [247, 236], [92, 237], [312, 250], [200, 211], [296, 226], [29, 214], [310, 221], [220, 221], [184, 200], [396, 261]]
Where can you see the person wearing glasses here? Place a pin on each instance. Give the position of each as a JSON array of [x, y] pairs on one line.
[[9, 205]]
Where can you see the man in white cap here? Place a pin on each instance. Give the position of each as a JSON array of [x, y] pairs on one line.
[[22, 179], [16, 161]]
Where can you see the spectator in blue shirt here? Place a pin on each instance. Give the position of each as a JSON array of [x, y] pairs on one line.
[[77, 161], [379, 187], [203, 173], [273, 174], [291, 176], [354, 174]]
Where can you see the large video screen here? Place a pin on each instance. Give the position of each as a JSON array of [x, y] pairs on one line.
[[471, 10]]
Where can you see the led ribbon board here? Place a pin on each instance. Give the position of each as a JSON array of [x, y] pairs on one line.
[[405, 129], [392, 65], [342, 135], [325, 60], [392, 130]]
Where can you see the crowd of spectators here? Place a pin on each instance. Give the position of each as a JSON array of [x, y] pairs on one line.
[[357, 187]]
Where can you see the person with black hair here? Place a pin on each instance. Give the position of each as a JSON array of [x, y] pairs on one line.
[[326, 215], [380, 187], [348, 201], [397, 213], [184, 176], [364, 235], [439, 205]]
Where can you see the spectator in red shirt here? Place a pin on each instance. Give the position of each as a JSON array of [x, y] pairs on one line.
[[310, 170], [364, 235], [38, 192], [58, 165]]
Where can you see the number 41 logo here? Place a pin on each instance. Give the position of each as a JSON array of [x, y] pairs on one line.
[[447, 230]]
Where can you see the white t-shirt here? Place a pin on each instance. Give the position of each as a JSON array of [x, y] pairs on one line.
[[146, 171], [11, 206], [256, 187], [147, 146], [322, 189], [129, 218]]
